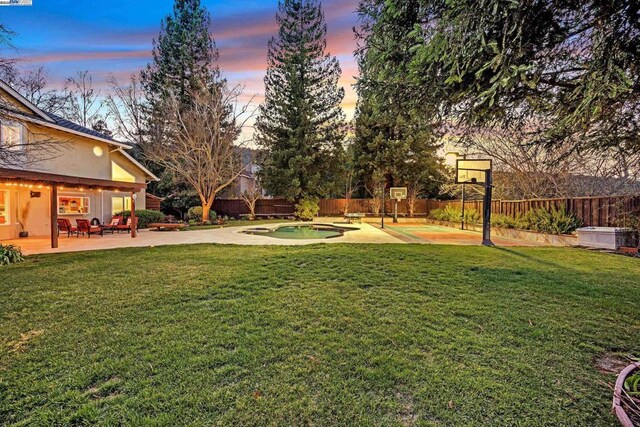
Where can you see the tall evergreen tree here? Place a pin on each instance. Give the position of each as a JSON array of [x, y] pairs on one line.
[[396, 136], [300, 123], [184, 55], [184, 62]]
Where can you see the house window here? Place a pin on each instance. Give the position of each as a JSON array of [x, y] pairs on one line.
[[12, 136], [73, 205], [120, 204], [4, 208]]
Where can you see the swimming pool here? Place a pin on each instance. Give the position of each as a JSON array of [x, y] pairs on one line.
[[303, 231]]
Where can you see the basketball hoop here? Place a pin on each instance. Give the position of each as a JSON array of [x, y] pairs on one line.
[[478, 172], [399, 194]]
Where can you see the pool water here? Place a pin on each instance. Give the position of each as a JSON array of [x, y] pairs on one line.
[[311, 231]]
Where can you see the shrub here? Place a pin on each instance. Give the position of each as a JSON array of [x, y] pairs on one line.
[[471, 216], [452, 214], [145, 217], [503, 221], [10, 254], [307, 208], [195, 214], [556, 221], [448, 213]]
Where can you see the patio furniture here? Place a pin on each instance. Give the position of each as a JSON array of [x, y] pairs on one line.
[[65, 226], [84, 226], [113, 225], [354, 217], [167, 225], [127, 226]]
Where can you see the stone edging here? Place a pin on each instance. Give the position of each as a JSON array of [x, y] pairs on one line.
[[624, 419]]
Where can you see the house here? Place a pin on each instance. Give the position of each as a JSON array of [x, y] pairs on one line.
[[52, 168], [247, 181]]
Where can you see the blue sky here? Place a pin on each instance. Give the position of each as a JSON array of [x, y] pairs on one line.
[[115, 37]]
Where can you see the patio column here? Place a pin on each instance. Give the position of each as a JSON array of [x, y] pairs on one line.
[[54, 216], [133, 215]]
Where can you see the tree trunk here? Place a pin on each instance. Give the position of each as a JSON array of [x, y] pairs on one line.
[[411, 205], [252, 209], [206, 207]]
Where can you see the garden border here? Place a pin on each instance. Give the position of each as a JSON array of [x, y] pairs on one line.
[[617, 395], [513, 233]]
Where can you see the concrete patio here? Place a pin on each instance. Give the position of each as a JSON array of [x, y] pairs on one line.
[[365, 233]]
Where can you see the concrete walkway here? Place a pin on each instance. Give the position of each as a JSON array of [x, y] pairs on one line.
[[364, 233]]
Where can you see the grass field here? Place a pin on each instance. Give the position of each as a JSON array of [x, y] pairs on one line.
[[319, 335]]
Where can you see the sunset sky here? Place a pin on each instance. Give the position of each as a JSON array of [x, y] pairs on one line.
[[116, 37]]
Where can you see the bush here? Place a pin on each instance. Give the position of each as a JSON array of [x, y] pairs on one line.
[[556, 221], [448, 213], [452, 214], [145, 217], [195, 214], [10, 254], [307, 208], [503, 221]]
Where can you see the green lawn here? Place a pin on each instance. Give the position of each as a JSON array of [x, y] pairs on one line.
[[320, 335]]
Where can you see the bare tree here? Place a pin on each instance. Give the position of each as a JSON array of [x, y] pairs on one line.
[[23, 143], [8, 70], [376, 188], [350, 171], [83, 103], [126, 109], [202, 147], [34, 86], [252, 194], [524, 170]]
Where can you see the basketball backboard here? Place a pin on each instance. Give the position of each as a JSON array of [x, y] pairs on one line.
[[398, 193], [472, 171]]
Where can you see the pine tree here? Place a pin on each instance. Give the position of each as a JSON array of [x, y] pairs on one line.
[[300, 123], [184, 61], [184, 56], [396, 137]]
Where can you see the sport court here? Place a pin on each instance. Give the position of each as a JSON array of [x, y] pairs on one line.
[[435, 234]]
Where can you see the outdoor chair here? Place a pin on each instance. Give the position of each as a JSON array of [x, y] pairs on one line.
[[113, 225], [127, 226], [84, 226], [65, 226]]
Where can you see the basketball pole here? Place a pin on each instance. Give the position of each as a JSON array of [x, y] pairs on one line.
[[462, 210], [383, 191], [395, 212], [464, 157], [486, 215]]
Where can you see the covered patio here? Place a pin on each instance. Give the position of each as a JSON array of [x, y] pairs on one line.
[[34, 198]]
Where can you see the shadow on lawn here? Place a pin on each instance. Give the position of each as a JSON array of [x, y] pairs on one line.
[[532, 258]]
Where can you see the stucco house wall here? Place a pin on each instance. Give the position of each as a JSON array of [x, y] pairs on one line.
[[63, 152]]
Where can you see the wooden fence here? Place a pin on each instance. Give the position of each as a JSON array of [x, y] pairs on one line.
[[235, 207], [595, 211]]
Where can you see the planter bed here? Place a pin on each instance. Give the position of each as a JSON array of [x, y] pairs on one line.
[[512, 233], [621, 400]]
